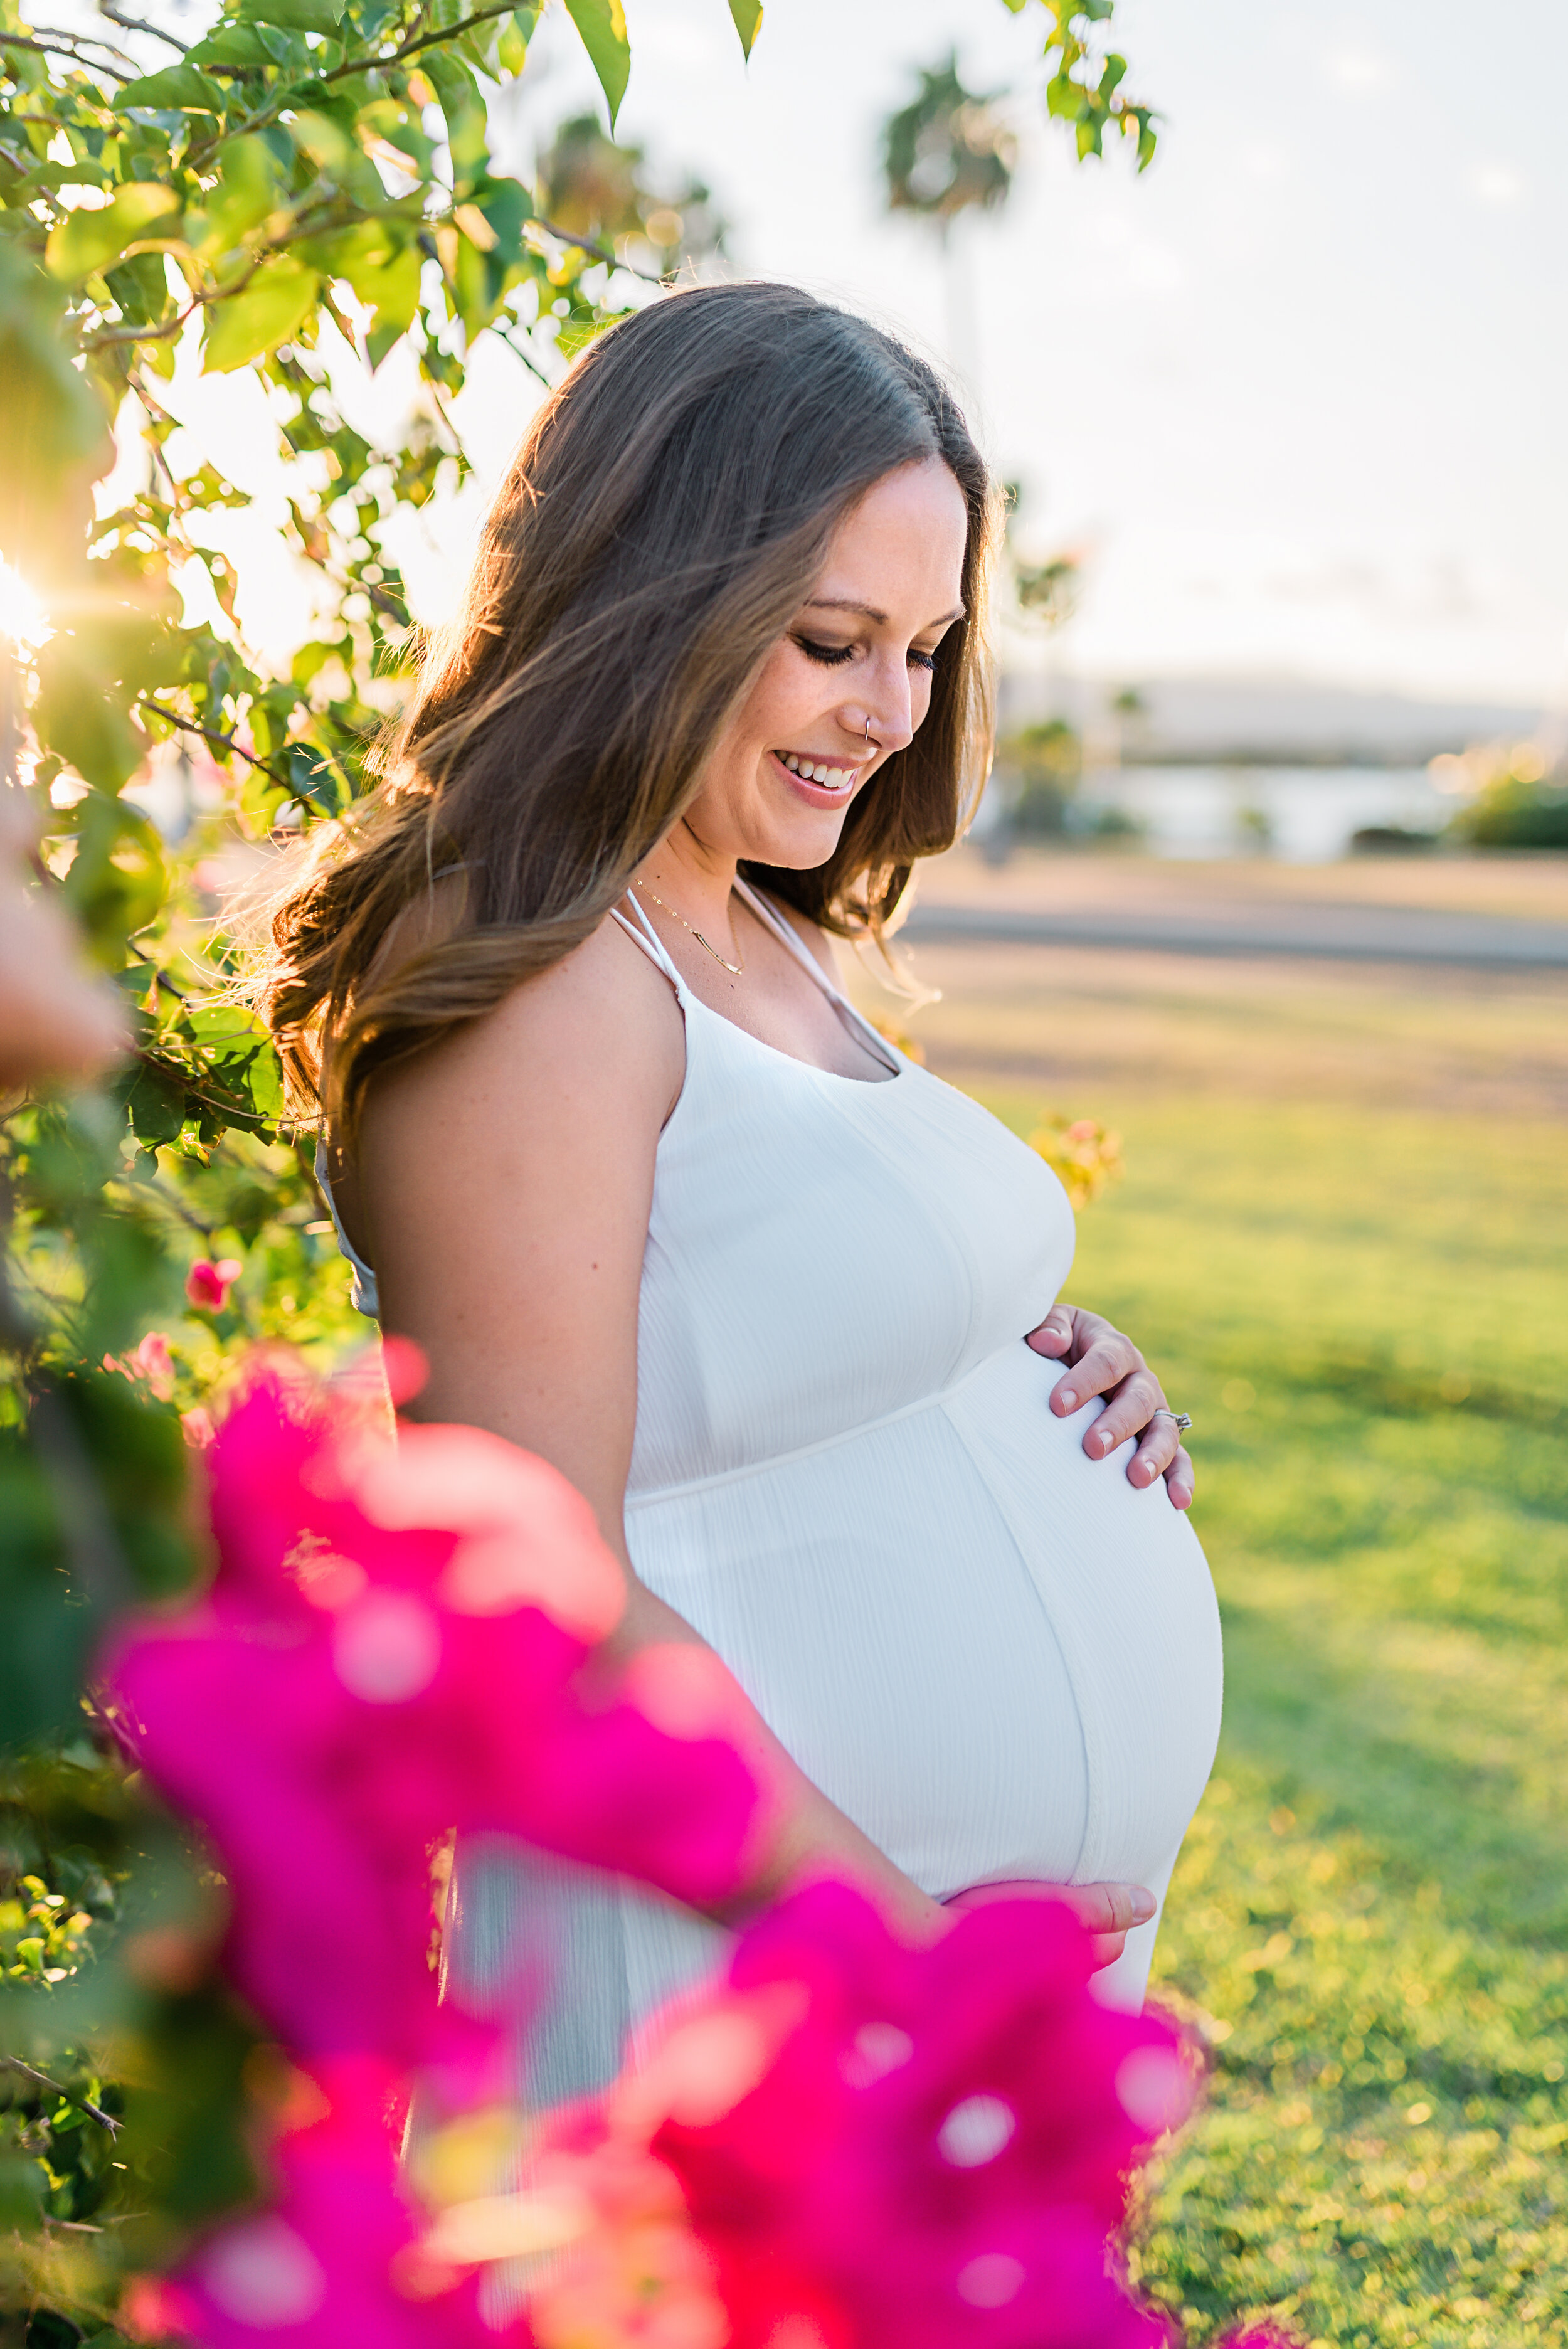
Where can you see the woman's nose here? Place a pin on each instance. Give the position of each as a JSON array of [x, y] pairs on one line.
[[886, 716]]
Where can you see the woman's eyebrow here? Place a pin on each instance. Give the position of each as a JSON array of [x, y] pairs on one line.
[[870, 612]]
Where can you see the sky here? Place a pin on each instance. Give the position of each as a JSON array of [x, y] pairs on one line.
[[1294, 394]]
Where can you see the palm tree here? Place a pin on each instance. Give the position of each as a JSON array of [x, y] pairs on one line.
[[948, 152]]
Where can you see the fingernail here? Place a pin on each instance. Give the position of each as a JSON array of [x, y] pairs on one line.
[[1143, 1906], [1182, 1495], [1102, 1443], [1070, 1396]]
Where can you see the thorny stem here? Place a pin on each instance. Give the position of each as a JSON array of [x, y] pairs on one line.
[[58, 2089]]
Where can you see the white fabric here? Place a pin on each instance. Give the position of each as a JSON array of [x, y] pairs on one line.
[[996, 1656]]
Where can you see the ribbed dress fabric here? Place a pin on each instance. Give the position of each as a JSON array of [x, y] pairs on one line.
[[998, 1657]]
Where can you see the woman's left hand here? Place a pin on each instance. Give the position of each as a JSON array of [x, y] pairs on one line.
[[1106, 1364]]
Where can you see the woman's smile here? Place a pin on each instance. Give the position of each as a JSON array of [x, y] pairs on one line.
[[821, 782]]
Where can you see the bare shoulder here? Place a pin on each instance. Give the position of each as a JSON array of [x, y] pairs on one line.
[[601, 1026]]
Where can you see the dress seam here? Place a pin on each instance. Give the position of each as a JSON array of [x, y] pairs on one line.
[[937, 1402]]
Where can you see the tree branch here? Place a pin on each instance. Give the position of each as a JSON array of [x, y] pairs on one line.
[[71, 49], [58, 2087], [600, 253], [139, 24], [416, 42], [528, 361], [210, 734]]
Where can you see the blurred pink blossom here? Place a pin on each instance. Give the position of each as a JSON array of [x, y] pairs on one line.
[[877, 2144], [392, 1647], [151, 1361], [319, 2269], [208, 1284], [197, 1427]]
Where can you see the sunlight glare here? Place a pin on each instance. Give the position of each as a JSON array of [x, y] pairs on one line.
[[22, 620]]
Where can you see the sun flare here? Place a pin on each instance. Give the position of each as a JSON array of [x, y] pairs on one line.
[[23, 619]]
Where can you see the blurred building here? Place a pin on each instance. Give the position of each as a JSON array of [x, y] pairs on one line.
[[1221, 721]]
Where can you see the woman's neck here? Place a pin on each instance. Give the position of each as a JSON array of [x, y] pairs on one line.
[[694, 880]]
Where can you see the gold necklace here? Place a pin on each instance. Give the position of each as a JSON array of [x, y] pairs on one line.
[[735, 969]]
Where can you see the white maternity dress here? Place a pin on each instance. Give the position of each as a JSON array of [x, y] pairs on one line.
[[998, 1657]]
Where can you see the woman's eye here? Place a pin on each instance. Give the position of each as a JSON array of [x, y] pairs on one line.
[[831, 655], [922, 660]]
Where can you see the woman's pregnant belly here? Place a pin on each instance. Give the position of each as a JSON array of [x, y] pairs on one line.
[[996, 1656]]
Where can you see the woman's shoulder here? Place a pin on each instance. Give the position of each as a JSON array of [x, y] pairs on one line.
[[601, 1026], [604, 1011]]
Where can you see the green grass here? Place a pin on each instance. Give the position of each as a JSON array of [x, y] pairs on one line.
[[1368, 1315]]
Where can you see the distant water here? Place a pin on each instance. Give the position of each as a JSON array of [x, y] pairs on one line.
[[1304, 814]]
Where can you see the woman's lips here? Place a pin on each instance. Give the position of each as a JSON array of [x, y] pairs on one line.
[[822, 796]]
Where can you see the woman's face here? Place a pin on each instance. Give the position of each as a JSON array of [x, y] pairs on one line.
[[857, 657]]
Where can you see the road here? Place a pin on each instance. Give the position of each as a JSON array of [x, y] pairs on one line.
[[1341, 932]]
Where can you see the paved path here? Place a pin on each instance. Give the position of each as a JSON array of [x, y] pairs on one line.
[[1286, 927]]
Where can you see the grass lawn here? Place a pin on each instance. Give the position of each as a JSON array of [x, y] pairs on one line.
[[1362, 1296]]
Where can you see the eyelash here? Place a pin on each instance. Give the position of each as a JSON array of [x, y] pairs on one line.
[[835, 656]]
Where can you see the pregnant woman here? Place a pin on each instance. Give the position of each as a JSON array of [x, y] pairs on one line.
[[658, 1205]]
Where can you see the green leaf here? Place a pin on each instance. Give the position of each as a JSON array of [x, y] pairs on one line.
[[278, 299], [57, 430], [155, 1103], [76, 716], [460, 102], [393, 289], [603, 26], [246, 194], [748, 15], [184, 88], [322, 16], [508, 207], [230, 44], [85, 240], [266, 1083], [117, 880], [1065, 100]]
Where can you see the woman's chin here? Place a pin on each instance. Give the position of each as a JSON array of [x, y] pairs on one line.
[[792, 835]]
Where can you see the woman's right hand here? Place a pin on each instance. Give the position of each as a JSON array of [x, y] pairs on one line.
[[1109, 1911]]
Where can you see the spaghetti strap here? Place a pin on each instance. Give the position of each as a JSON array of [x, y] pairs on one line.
[[642, 934], [788, 935]]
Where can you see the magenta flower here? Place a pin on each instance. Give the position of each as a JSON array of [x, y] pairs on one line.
[[208, 1285], [930, 2146], [149, 1362], [321, 2268], [391, 1647]]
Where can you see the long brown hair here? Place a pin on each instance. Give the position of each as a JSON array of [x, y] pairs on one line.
[[666, 514]]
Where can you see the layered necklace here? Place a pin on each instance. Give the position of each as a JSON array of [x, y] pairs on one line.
[[735, 968]]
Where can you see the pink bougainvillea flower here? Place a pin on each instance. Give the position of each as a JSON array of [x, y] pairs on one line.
[[852, 2143], [319, 2269], [392, 1647], [929, 2147], [636, 2275], [208, 1284], [197, 1427], [150, 1362]]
